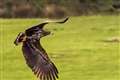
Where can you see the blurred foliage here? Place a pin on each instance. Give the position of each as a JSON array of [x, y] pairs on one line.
[[55, 8]]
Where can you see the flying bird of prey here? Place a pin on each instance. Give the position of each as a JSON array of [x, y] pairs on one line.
[[35, 56]]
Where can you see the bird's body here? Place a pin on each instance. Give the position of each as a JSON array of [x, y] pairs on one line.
[[35, 56]]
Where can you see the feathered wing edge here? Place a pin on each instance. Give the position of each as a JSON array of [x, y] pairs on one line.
[[57, 21], [46, 72], [44, 68], [35, 28], [41, 25]]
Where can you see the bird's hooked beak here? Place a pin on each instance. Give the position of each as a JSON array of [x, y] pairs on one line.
[[20, 38]]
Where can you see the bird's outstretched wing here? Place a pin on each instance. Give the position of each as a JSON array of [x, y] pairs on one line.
[[39, 62], [45, 69], [34, 29]]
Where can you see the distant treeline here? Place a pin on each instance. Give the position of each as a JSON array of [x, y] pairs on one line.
[[56, 8]]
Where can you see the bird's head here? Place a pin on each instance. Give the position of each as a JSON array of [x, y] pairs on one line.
[[20, 38]]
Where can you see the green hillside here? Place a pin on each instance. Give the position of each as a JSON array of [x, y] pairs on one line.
[[84, 48]]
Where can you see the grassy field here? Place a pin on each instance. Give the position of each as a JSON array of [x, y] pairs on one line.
[[79, 48]]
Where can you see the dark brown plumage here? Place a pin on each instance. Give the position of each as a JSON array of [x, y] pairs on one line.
[[35, 56]]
